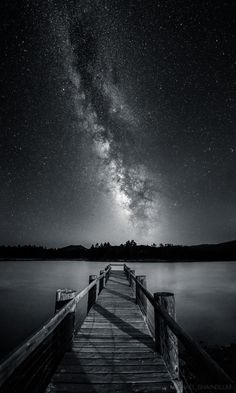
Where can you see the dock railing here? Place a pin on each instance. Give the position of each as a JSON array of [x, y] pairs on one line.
[[203, 373], [29, 368]]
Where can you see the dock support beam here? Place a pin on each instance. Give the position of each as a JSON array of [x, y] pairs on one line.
[[166, 341]]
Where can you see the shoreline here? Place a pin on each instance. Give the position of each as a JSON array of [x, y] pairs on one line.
[[118, 260]]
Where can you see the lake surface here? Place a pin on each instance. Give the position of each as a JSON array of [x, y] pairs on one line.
[[205, 295]]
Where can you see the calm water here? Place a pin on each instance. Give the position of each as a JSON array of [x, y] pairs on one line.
[[205, 295]]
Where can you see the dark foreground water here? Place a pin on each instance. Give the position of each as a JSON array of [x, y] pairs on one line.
[[205, 295]]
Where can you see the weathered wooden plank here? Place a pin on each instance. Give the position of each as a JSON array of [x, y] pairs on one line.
[[113, 339], [111, 336], [117, 304], [116, 293], [110, 365], [103, 350], [131, 331], [115, 326], [155, 387], [122, 314], [113, 344], [110, 378], [99, 310], [112, 320], [101, 361], [111, 356], [116, 297], [117, 334], [115, 329], [105, 323], [120, 304], [117, 356], [118, 311], [135, 369]]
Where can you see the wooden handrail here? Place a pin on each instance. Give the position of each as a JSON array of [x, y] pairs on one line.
[[15, 358], [188, 342]]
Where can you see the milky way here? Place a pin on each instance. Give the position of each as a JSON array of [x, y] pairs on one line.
[[118, 121], [105, 116]]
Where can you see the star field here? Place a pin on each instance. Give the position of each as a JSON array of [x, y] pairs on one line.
[[117, 121]]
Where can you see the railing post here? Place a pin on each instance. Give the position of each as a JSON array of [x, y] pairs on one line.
[[104, 278], [93, 293], [127, 269], [101, 281], [63, 296], [166, 341], [141, 299], [107, 271], [132, 283]]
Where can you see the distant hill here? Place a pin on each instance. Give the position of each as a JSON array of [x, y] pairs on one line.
[[73, 251], [128, 251], [73, 248]]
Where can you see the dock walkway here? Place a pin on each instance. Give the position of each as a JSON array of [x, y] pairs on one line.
[[113, 351]]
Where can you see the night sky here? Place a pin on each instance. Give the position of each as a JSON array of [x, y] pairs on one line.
[[117, 121]]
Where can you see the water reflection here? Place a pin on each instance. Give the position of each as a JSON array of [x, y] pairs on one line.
[[205, 296]]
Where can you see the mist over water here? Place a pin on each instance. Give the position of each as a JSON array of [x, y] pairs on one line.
[[205, 295]]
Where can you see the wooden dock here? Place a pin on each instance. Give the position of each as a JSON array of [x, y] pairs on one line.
[[114, 336], [113, 351]]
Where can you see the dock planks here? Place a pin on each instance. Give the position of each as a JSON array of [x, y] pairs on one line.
[[113, 351]]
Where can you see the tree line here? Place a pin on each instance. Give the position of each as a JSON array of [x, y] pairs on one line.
[[130, 250]]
